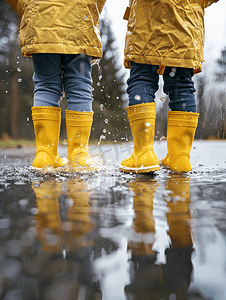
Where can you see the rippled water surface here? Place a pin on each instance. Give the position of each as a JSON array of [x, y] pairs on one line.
[[110, 235]]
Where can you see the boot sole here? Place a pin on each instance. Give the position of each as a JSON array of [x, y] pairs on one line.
[[47, 166], [140, 170]]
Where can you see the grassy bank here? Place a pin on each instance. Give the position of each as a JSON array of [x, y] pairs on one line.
[[17, 144], [28, 143]]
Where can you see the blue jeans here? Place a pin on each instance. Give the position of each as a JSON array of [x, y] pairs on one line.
[[178, 85], [58, 73]]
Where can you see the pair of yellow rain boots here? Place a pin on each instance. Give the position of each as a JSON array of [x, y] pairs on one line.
[[47, 120], [180, 135]]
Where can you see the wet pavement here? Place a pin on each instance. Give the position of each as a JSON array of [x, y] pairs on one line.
[[110, 235]]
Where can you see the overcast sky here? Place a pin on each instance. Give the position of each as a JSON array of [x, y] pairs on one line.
[[215, 26]]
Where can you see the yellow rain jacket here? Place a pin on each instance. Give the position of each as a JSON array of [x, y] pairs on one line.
[[166, 33], [59, 26]]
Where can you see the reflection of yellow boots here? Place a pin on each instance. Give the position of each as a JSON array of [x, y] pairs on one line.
[[78, 212], [51, 230], [181, 128], [178, 217], [177, 271], [142, 123], [46, 120], [143, 222], [47, 194], [78, 131], [144, 273]]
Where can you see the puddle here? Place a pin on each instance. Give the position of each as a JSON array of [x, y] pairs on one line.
[[111, 235]]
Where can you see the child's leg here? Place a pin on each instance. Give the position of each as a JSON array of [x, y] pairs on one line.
[[47, 79], [142, 84], [46, 113], [178, 84], [77, 81], [182, 120]]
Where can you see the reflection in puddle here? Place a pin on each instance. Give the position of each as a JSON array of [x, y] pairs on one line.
[[63, 225], [110, 236], [74, 220], [149, 280]]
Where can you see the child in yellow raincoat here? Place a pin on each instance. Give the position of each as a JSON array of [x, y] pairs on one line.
[[63, 38], [163, 37]]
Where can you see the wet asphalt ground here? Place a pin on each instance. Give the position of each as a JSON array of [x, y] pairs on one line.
[[110, 235]]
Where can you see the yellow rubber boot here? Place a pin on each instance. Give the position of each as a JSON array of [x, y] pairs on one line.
[[47, 120], [78, 131], [181, 128], [142, 123]]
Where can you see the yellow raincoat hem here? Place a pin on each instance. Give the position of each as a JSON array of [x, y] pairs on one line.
[[162, 61], [28, 50]]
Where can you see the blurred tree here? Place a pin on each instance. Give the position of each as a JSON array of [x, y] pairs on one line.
[[15, 78], [211, 101], [110, 117], [221, 73], [201, 107], [221, 78]]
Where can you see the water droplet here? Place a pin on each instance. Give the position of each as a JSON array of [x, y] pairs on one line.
[[162, 98], [69, 202], [19, 80], [137, 97], [19, 69], [162, 138], [4, 40], [34, 211], [23, 202], [173, 297], [173, 72], [106, 121], [5, 223]]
